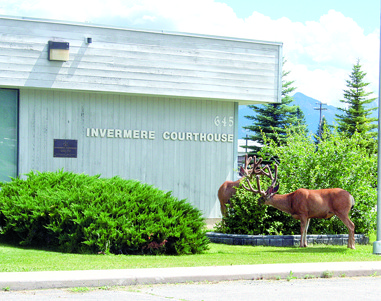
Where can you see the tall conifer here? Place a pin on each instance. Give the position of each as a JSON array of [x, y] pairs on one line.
[[323, 131], [355, 117]]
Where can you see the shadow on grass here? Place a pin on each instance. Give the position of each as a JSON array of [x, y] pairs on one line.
[[34, 247], [310, 250]]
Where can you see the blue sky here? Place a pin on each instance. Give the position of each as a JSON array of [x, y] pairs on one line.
[[365, 13], [322, 40]]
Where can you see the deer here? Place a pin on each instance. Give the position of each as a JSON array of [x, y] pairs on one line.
[[304, 204], [228, 188]]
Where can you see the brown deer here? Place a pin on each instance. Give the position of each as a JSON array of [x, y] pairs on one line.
[[228, 188], [304, 204]]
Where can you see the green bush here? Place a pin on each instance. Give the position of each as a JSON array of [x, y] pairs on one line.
[[246, 216], [87, 214], [337, 161]]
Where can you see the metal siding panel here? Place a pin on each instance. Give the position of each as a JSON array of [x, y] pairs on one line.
[[43, 131], [235, 144], [50, 125], [191, 169], [81, 126], [135, 124], [32, 119], [139, 62], [55, 134], [109, 143], [115, 146]]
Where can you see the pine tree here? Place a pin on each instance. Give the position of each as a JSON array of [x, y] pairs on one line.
[[323, 130], [355, 117], [274, 119], [301, 121]]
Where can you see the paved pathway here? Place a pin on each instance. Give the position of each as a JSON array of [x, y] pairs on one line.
[[65, 279], [354, 288]]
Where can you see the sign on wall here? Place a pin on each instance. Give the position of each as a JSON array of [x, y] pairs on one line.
[[64, 148]]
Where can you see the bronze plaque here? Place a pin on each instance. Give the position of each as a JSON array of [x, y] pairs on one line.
[[65, 148]]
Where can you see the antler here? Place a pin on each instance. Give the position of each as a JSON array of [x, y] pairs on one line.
[[249, 172], [270, 175], [255, 166], [260, 172], [245, 171], [250, 188]]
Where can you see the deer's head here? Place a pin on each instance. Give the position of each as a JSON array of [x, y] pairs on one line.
[[270, 192]]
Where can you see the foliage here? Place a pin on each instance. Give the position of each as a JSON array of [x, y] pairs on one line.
[[323, 131], [87, 214], [355, 117], [274, 119], [246, 216], [339, 161]]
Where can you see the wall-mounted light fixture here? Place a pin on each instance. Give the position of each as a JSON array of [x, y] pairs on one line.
[[89, 40], [58, 51]]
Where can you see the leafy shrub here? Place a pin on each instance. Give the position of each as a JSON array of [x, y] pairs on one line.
[[246, 216], [87, 214], [337, 161]]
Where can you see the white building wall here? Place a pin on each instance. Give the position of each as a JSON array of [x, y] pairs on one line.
[[139, 62], [136, 80], [192, 169]]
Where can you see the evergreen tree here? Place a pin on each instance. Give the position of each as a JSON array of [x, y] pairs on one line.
[[301, 121], [323, 131], [275, 118], [355, 117]]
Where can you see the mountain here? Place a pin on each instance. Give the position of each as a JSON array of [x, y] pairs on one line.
[[307, 105]]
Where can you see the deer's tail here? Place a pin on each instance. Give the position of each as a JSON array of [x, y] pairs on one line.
[[352, 201]]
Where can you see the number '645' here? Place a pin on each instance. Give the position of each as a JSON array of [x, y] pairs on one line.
[[224, 121]]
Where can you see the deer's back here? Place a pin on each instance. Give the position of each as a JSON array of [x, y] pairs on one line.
[[322, 203]]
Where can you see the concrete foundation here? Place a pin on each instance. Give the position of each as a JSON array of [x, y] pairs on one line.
[[284, 240]]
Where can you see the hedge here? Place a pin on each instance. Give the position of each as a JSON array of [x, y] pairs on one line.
[[78, 213]]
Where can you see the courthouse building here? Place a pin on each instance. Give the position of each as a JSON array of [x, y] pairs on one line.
[[158, 107]]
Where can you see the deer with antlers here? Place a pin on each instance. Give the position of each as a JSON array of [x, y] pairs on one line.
[[303, 204], [228, 188]]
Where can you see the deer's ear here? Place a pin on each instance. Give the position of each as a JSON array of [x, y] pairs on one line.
[[276, 188], [242, 172]]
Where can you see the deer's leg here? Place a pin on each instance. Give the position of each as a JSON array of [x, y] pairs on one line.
[[304, 223], [305, 232], [351, 229], [223, 209]]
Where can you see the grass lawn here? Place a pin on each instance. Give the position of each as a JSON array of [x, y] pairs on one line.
[[18, 259]]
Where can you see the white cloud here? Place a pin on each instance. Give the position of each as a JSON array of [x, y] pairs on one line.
[[326, 85], [320, 54]]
